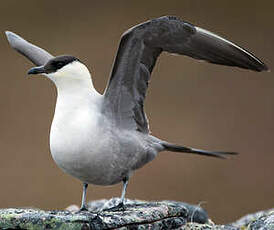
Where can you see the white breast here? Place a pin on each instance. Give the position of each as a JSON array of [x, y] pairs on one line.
[[75, 131], [76, 134], [82, 141]]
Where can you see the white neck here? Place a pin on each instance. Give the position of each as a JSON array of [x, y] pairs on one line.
[[73, 79], [77, 114], [75, 91]]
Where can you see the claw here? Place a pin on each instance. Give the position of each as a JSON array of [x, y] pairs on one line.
[[82, 209], [119, 208]]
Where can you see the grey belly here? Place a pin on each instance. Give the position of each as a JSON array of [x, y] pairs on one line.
[[99, 172], [106, 162]]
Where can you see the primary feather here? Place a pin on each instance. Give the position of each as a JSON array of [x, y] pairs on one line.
[[138, 51]]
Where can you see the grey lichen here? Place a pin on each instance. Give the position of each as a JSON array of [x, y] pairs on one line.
[[137, 215], [255, 220], [263, 222]]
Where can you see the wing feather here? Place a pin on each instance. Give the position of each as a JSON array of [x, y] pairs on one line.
[[35, 54], [138, 51]]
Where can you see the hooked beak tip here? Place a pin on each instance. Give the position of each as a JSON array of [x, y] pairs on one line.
[[30, 72], [36, 70]]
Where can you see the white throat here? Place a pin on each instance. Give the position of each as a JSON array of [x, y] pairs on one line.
[[71, 78], [77, 117], [76, 95]]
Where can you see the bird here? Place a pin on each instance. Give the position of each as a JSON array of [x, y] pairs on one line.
[[101, 139]]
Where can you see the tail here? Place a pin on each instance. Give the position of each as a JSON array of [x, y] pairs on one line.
[[177, 148]]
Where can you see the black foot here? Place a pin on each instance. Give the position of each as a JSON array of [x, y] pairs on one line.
[[83, 209], [119, 208]]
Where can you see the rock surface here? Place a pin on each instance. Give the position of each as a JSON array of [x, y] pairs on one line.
[[262, 220], [137, 215]]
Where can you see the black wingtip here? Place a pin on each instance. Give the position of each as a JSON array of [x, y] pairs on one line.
[[264, 68], [234, 55], [258, 65], [255, 65]]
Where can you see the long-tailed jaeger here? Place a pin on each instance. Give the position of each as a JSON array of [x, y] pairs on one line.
[[102, 138]]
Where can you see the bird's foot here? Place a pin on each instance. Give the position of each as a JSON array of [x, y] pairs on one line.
[[118, 208], [83, 209]]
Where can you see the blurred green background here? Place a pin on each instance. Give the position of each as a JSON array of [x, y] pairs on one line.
[[190, 102]]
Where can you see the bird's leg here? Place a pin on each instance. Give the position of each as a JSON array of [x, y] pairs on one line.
[[83, 204], [125, 183], [121, 205]]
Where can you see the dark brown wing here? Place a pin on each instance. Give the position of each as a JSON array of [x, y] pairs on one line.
[[138, 51]]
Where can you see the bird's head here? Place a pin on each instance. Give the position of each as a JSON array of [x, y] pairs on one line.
[[63, 69]]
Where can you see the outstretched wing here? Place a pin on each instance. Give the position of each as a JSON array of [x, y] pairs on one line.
[[35, 54], [138, 51]]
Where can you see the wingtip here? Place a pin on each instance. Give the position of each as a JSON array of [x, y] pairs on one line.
[[7, 32], [14, 39], [260, 66], [11, 36], [265, 68]]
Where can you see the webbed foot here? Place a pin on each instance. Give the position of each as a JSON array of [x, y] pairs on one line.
[[118, 208]]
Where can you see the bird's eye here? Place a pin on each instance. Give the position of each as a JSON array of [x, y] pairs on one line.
[[59, 65]]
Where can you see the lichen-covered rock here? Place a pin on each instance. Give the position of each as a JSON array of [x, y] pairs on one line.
[[209, 226], [193, 213], [265, 222], [137, 215], [262, 220]]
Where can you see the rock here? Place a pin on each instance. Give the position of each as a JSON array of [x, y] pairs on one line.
[[192, 213], [262, 220], [265, 222], [137, 215]]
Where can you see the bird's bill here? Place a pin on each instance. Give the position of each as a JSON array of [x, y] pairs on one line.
[[37, 70]]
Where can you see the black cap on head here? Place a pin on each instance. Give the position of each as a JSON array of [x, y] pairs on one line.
[[58, 62], [54, 64]]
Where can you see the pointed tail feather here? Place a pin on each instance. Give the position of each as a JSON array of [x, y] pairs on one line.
[[184, 149]]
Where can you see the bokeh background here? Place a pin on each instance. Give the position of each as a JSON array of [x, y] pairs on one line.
[[197, 104]]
